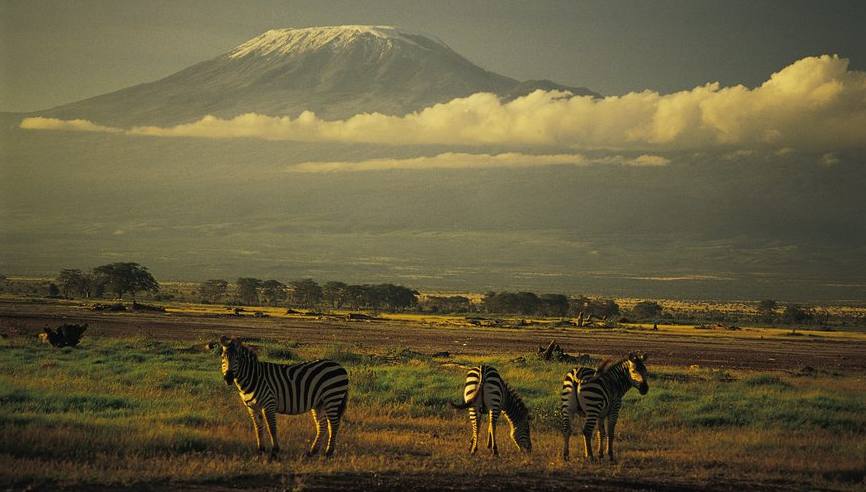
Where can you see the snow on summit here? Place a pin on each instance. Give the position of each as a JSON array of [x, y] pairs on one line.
[[297, 41]]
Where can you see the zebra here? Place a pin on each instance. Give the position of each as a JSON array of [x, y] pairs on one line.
[[320, 387], [485, 389], [596, 395]]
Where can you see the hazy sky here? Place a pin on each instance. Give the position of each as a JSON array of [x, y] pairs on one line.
[[55, 52]]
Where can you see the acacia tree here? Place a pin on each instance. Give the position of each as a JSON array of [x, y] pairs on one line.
[[356, 295], [70, 279], [647, 309], [273, 292], [124, 277], [525, 303], [92, 285], [334, 293], [794, 313], [554, 304], [213, 290], [306, 292], [248, 290], [767, 309]]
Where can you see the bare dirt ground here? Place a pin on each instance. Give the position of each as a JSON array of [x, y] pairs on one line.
[[724, 352], [445, 482]]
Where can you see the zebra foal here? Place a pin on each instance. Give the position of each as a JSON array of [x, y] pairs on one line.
[[320, 387], [596, 395], [484, 390]]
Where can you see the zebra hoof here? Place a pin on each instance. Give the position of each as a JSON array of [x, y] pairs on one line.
[[329, 453]]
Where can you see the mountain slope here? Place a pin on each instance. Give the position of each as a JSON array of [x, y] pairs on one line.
[[333, 71]]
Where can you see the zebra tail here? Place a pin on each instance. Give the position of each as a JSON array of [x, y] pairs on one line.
[[461, 406]]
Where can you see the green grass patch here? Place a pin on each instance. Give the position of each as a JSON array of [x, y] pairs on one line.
[[132, 402]]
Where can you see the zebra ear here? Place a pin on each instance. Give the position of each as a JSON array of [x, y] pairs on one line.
[[643, 357], [224, 341]]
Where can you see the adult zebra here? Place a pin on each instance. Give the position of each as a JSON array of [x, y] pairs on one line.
[[596, 395], [320, 387], [486, 390]]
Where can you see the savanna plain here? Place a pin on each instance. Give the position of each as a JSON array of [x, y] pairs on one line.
[[141, 404]]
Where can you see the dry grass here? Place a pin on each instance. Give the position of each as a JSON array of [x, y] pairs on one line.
[[126, 411]]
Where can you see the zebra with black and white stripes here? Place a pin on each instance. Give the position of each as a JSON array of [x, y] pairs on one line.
[[569, 405], [485, 390], [320, 387], [596, 395]]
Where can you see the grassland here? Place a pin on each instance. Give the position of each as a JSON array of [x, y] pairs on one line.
[[154, 412]]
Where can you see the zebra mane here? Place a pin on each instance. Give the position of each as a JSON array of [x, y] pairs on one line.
[[250, 352], [606, 366], [520, 408]]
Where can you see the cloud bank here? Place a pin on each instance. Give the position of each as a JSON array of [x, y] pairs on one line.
[[456, 160], [40, 123], [815, 103]]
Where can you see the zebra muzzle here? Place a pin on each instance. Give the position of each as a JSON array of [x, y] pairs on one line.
[[229, 378]]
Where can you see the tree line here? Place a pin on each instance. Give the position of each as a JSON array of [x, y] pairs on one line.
[[114, 278], [122, 278], [553, 305], [307, 293]]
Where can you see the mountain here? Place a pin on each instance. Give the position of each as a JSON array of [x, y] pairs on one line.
[[334, 71]]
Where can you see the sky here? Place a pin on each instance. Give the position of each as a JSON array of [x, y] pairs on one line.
[[57, 52], [724, 160]]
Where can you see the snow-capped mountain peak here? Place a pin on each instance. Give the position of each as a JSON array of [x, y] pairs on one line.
[[292, 41], [334, 71]]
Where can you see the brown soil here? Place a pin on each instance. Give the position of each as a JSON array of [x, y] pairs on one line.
[[431, 481], [729, 352]]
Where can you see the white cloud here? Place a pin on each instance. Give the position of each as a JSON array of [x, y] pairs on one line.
[[815, 103], [454, 160], [40, 123]]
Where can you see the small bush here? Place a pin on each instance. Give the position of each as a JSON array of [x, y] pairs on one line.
[[765, 380]]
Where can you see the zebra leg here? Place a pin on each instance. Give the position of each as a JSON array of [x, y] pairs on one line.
[[271, 420], [602, 437], [611, 428], [333, 427], [565, 421], [257, 427], [476, 427], [588, 430], [491, 432], [321, 424]]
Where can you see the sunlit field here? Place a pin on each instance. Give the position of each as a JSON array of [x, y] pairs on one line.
[[126, 411]]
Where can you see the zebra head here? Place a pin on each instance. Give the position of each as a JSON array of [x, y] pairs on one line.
[[520, 434], [637, 372], [231, 354]]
